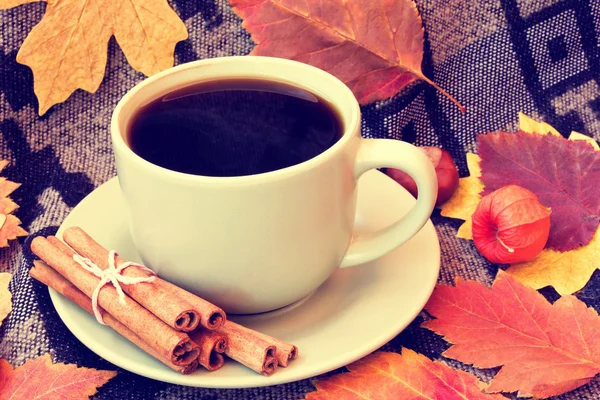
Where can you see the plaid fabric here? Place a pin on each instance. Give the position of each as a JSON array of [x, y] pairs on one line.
[[497, 57]]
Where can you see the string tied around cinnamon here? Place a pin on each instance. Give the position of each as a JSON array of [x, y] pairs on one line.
[[113, 275]]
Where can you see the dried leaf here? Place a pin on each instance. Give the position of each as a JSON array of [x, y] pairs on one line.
[[564, 174], [4, 4], [7, 187], [465, 200], [67, 49], [41, 380], [9, 224], [7, 205], [544, 349], [567, 271], [5, 371], [393, 376], [5, 296], [10, 230], [530, 125], [374, 46], [463, 203], [580, 136]]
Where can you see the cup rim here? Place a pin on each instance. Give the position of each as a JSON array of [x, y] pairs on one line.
[[351, 124]]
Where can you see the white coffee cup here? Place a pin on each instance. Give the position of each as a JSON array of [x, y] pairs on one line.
[[260, 242]]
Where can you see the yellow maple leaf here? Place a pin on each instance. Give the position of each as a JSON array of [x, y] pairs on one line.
[[530, 125], [67, 50], [463, 203], [5, 296], [567, 271], [579, 136]]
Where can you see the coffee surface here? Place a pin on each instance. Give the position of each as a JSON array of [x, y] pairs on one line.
[[233, 128]]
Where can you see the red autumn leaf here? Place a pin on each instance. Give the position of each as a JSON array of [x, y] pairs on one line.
[[393, 376], [564, 174], [544, 349], [374, 46], [39, 379]]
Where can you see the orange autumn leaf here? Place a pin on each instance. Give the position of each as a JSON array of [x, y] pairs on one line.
[[41, 380], [7, 187], [544, 349], [5, 371], [374, 46], [7, 206], [10, 227], [5, 296], [67, 50], [13, 3], [411, 375]]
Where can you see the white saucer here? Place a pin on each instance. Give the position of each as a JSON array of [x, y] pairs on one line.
[[352, 314]]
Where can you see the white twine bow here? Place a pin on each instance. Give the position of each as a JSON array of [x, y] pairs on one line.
[[112, 275]]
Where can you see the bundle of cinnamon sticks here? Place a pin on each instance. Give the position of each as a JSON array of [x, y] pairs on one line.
[[175, 326]]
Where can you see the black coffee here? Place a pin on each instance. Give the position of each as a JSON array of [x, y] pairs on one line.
[[233, 128]]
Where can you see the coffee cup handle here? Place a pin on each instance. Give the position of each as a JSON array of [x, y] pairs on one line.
[[388, 153]]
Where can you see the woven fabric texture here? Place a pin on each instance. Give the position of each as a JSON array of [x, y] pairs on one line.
[[498, 57]]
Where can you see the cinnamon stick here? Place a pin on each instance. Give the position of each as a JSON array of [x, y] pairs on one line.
[[167, 342], [244, 346], [211, 316], [212, 345], [285, 352], [173, 305], [49, 277]]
